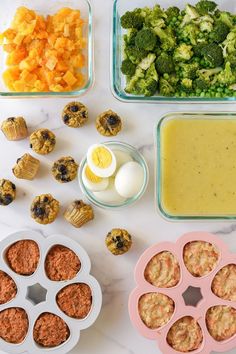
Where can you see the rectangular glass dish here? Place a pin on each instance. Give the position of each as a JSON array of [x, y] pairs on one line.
[[118, 79], [45, 7], [196, 166]]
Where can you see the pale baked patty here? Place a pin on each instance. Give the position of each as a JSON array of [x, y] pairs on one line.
[[185, 335], [155, 309], [224, 283], [14, 325], [200, 257], [221, 322], [163, 270]]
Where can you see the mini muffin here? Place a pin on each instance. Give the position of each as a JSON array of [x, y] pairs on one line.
[[118, 241], [75, 300], [185, 335], [75, 114], [50, 330], [15, 128], [7, 192], [44, 209], [163, 270], [155, 309], [61, 263], [14, 325], [65, 169], [221, 322], [26, 167], [8, 288], [78, 213], [23, 257], [224, 283], [42, 141], [200, 257], [108, 123]]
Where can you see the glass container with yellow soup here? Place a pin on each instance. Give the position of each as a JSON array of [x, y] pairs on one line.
[[196, 173]]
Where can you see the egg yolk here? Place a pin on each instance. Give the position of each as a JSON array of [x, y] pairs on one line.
[[101, 157], [91, 176]]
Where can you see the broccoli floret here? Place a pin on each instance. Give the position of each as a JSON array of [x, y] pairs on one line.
[[206, 74], [147, 62], [167, 38], [200, 84], [155, 17], [128, 68], [226, 18], [189, 71], [146, 39], [213, 54], [205, 23], [183, 52], [143, 82], [134, 54], [139, 74], [187, 85], [230, 43], [205, 6], [231, 58], [190, 32], [191, 13], [220, 32], [165, 64], [129, 37], [165, 87], [172, 12], [198, 49], [131, 19], [226, 76]]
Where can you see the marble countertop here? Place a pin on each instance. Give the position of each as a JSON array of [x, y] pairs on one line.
[[112, 332]]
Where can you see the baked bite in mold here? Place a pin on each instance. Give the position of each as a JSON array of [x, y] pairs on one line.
[[8, 289], [221, 322], [14, 325], [224, 283]]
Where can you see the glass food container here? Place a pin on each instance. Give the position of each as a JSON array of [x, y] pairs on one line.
[[45, 7], [118, 79], [196, 166], [137, 156]]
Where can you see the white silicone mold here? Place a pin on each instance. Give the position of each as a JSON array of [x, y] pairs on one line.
[[52, 287]]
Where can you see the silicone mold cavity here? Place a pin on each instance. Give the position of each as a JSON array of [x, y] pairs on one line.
[[52, 288], [186, 280]]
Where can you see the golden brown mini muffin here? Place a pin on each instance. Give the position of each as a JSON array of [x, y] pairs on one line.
[[8, 288], [75, 114], [65, 169], [221, 322], [61, 263], [200, 257], [75, 300], [26, 167], [185, 335], [44, 209], [15, 128], [14, 325], [108, 123], [50, 330], [23, 257], [118, 241], [163, 270], [42, 141], [155, 309], [78, 213], [224, 283], [7, 192]]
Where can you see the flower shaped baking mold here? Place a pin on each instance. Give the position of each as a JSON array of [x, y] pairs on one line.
[[186, 280], [23, 283]]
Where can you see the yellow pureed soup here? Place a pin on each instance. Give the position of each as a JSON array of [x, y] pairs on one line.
[[198, 167]]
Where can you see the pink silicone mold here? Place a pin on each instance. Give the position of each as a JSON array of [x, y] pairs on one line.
[[209, 299]]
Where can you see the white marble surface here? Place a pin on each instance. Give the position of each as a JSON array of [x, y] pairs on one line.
[[112, 332]]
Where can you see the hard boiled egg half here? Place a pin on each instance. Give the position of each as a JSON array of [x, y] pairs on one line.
[[93, 182], [101, 160]]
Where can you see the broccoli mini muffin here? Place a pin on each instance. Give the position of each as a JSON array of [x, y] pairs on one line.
[[42, 141], [15, 128], [118, 241], [23, 257], [8, 288], [65, 169], [200, 257], [61, 263], [224, 283], [7, 192], [44, 209], [163, 270], [75, 300], [185, 335], [155, 309], [50, 330], [108, 123], [79, 213], [75, 114], [221, 322], [14, 325], [26, 167]]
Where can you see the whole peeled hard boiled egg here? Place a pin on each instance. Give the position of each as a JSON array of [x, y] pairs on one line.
[[129, 179], [101, 160], [93, 182]]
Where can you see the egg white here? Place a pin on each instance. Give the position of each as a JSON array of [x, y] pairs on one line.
[[94, 187], [101, 172]]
